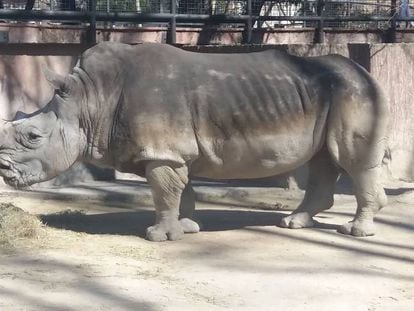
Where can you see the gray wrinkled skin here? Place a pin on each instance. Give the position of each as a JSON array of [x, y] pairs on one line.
[[169, 115]]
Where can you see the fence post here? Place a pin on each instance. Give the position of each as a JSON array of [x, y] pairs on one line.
[[249, 22], [91, 34], [319, 33], [392, 35], [172, 31]]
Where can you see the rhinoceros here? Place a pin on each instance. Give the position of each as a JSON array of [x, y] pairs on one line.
[[171, 115]]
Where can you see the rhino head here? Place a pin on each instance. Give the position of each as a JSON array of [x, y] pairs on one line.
[[38, 146]]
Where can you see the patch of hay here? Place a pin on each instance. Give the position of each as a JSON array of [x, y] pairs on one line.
[[18, 227]]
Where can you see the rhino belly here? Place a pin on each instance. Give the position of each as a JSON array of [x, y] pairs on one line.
[[254, 157]]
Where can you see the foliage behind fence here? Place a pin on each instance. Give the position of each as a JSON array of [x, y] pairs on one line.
[[287, 8], [383, 15]]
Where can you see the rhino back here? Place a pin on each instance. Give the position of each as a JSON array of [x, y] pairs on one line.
[[262, 112]]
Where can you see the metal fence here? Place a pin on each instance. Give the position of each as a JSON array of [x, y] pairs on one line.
[[250, 14], [44, 4]]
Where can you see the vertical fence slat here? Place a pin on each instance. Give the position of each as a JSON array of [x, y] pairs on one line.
[[249, 22], [91, 35], [392, 36], [319, 33], [172, 30]]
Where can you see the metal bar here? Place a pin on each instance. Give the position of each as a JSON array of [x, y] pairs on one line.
[[44, 15], [172, 38], [354, 2], [319, 33], [115, 16], [92, 23], [392, 36], [249, 24], [329, 18], [166, 17]]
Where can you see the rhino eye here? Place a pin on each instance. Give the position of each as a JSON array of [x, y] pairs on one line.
[[34, 136]]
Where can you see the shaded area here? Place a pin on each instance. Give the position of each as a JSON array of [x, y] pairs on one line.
[[260, 222], [77, 276], [401, 223], [356, 248], [237, 246], [135, 223], [122, 194], [137, 194], [124, 223], [398, 191]]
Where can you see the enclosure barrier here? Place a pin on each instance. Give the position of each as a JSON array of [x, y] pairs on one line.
[[248, 14]]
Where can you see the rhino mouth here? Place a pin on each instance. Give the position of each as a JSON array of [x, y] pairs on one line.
[[11, 181], [6, 169], [19, 174], [9, 175], [15, 181]]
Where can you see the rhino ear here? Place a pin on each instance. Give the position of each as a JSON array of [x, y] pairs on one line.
[[19, 115], [56, 80]]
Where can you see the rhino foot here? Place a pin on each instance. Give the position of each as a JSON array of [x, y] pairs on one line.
[[358, 228], [161, 232], [189, 226], [297, 221], [164, 231]]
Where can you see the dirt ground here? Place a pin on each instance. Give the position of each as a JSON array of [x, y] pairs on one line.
[[93, 255]]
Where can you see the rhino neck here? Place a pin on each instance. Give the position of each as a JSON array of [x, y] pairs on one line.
[[92, 118], [97, 111]]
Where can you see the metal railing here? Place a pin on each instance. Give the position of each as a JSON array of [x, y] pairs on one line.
[[384, 15]]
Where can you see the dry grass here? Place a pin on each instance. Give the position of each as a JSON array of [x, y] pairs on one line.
[[18, 228]]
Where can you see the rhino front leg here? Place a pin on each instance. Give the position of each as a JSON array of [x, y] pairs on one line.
[[319, 192], [187, 207], [167, 181]]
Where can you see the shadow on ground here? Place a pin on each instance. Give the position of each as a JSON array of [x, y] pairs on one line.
[[135, 223], [260, 222]]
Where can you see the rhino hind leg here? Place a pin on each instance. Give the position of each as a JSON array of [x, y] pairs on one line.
[[167, 182], [323, 174], [358, 146], [370, 197]]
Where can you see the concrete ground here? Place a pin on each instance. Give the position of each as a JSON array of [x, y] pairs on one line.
[[94, 256]]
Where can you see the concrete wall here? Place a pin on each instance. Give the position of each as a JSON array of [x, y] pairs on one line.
[[393, 67], [22, 84], [23, 87], [52, 33]]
